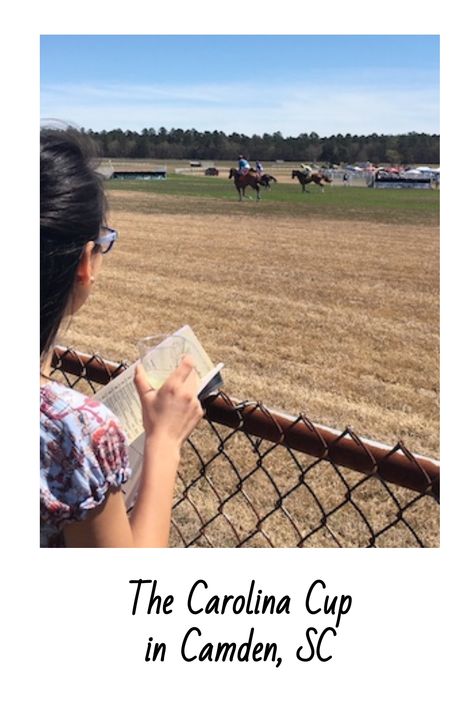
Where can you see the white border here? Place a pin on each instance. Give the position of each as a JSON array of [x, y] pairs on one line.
[[68, 632]]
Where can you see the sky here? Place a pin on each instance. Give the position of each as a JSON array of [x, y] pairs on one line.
[[250, 84]]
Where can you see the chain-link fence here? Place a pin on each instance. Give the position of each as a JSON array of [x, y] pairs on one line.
[[254, 477]]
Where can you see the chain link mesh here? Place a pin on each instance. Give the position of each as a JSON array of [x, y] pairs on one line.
[[252, 477]]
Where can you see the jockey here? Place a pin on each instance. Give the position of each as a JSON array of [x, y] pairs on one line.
[[307, 170], [244, 165], [259, 167]]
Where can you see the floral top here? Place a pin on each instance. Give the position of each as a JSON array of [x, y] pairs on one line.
[[83, 453]]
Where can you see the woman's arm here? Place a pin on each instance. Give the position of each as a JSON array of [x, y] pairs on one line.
[[169, 416], [150, 518]]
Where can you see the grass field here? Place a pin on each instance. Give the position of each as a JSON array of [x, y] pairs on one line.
[[286, 198], [325, 303]]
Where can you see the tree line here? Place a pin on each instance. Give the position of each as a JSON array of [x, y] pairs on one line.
[[190, 144]]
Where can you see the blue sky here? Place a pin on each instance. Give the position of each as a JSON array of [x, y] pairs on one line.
[[249, 84]]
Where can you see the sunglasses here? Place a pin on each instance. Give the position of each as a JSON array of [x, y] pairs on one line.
[[106, 241]]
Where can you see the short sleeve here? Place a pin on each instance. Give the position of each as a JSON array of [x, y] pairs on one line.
[[83, 455]]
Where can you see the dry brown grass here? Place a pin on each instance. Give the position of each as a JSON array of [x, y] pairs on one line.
[[338, 320]]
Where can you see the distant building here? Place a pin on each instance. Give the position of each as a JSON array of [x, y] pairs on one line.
[[389, 178], [160, 174]]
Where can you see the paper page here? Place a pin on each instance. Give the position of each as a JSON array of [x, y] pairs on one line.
[[120, 394], [135, 456], [121, 397]]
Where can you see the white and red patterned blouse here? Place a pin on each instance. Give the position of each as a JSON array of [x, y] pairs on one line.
[[83, 453]]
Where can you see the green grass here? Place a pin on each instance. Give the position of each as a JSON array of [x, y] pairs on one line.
[[337, 202]]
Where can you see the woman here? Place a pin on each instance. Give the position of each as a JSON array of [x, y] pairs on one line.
[[84, 459]]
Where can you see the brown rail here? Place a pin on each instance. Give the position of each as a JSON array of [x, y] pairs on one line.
[[91, 367], [395, 465]]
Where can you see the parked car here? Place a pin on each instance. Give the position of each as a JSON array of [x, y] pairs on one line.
[[211, 171]]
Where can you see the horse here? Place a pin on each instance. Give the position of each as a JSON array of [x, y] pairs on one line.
[[242, 181], [305, 179], [266, 179]]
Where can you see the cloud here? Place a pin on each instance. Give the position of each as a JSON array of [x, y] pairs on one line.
[[321, 106]]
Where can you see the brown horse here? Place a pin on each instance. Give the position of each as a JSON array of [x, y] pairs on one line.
[[266, 179], [242, 181], [305, 179]]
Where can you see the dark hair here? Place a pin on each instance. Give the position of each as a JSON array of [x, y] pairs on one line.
[[72, 210]]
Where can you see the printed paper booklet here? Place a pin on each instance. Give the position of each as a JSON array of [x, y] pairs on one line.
[[121, 397]]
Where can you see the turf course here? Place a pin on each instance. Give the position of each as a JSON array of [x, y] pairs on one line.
[[352, 203]]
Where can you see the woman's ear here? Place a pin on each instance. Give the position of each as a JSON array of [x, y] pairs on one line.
[[84, 278], [84, 269]]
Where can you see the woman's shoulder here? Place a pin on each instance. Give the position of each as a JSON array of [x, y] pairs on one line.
[[61, 403], [77, 420]]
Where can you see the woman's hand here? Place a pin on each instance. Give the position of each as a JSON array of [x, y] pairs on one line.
[[173, 411]]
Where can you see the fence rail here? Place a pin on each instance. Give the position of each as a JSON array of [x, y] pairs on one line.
[[251, 476]]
